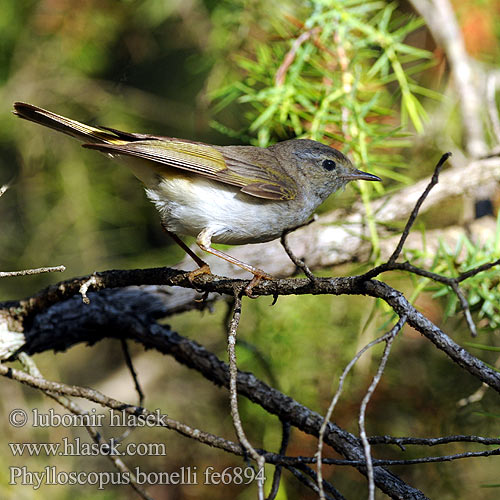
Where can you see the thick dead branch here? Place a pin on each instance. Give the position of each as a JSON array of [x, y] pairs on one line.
[[25, 311], [133, 313]]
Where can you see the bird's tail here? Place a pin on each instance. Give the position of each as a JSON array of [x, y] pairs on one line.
[[76, 129]]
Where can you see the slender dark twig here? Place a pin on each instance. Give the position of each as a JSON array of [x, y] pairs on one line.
[[327, 486], [285, 438], [416, 208], [477, 270], [130, 366], [401, 441], [298, 262], [308, 482]]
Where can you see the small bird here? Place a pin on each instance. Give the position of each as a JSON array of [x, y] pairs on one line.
[[219, 194]]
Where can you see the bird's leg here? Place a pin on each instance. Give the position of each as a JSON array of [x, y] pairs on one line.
[[204, 241], [203, 267]]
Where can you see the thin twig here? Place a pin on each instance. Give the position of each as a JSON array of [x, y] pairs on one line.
[[465, 307], [328, 416], [298, 262], [74, 408], [233, 395], [308, 482], [130, 366], [326, 485], [108, 402], [28, 272], [293, 461], [285, 437], [362, 431], [460, 438], [443, 24], [416, 208], [477, 270]]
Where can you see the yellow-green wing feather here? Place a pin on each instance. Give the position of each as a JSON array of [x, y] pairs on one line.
[[254, 170], [214, 163]]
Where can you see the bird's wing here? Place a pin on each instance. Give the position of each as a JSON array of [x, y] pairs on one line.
[[257, 180], [234, 165]]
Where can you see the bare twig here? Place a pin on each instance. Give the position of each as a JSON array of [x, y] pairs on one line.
[[330, 243], [74, 408], [465, 307], [402, 441], [293, 461], [416, 208], [298, 262], [336, 495], [83, 320], [28, 272], [106, 401], [389, 338], [329, 413], [233, 395], [285, 426], [300, 476], [130, 366]]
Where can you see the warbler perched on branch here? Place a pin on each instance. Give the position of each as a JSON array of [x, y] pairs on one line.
[[220, 194]]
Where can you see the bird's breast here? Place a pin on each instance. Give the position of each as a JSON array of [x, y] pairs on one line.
[[189, 204]]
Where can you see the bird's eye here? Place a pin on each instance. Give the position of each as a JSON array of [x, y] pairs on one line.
[[329, 165]]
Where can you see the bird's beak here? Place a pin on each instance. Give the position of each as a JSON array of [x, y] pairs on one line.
[[359, 175]]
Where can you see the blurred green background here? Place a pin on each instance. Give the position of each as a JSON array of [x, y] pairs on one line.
[[152, 66]]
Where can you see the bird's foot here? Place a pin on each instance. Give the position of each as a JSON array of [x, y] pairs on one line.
[[204, 269], [258, 275]]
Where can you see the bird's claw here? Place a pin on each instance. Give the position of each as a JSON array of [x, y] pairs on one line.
[[204, 269], [257, 277]]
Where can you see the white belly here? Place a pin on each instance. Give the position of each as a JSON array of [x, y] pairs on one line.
[[189, 206]]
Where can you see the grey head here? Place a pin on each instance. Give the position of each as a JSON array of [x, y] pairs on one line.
[[320, 167]]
